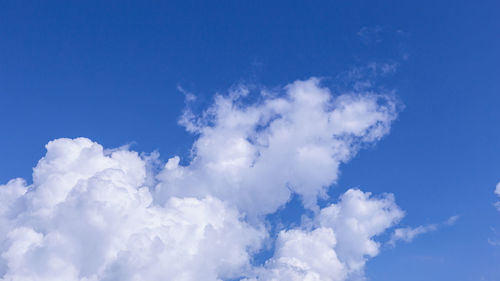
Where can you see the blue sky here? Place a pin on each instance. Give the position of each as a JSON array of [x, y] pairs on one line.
[[110, 71]]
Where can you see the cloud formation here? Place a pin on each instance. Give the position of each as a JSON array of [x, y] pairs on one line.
[[370, 35], [96, 214], [407, 234], [256, 155], [338, 245], [497, 192]]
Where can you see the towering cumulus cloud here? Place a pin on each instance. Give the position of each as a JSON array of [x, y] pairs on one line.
[[97, 214]]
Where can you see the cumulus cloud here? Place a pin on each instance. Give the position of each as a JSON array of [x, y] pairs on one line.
[[338, 245], [88, 216], [97, 214], [256, 155]]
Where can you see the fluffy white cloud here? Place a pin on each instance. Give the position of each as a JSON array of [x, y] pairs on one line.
[[338, 245], [304, 255], [95, 214], [256, 155], [88, 216]]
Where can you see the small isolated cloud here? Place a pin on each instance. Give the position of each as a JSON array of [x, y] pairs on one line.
[[407, 234], [370, 35], [497, 192], [97, 214], [452, 220]]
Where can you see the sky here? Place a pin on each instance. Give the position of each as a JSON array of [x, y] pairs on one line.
[[249, 140]]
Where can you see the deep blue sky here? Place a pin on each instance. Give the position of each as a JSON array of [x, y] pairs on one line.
[[108, 70]]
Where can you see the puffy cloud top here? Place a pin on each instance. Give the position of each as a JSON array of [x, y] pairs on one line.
[[96, 214], [256, 155]]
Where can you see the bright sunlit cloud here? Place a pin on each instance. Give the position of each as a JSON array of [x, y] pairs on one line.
[[96, 214]]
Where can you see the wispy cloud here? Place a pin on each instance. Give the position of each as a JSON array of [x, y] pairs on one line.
[[452, 220], [407, 234], [364, 77], [493, 242], [370, 34], [497, 192], [188, 96]]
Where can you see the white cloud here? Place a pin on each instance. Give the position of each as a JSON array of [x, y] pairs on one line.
[[452, 220], [88, 216], [357, 219], [494, 241], [96, 214], [497, 192], [256, 155], [363, 78], [339, 244], [370, 34], [304, 255], [407, 234]]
